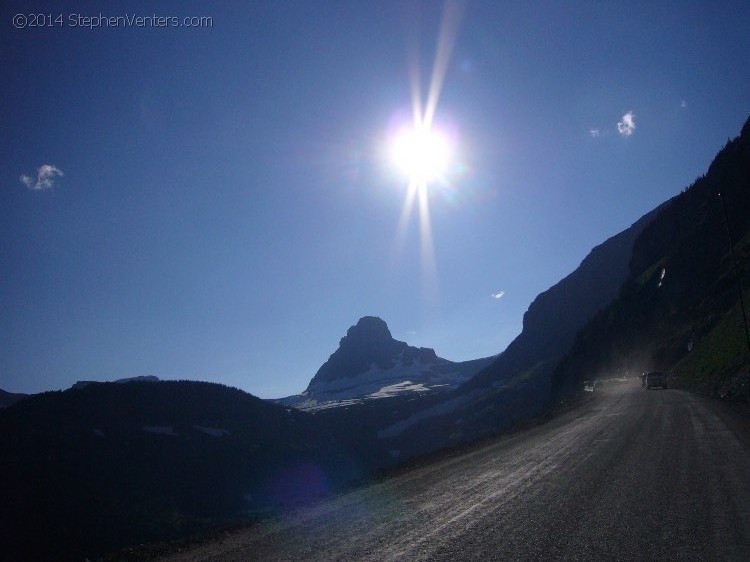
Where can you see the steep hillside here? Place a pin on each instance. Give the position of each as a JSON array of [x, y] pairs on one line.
[[93, 469], [8, 398], [679, 307], [516, 385], [555, 316]]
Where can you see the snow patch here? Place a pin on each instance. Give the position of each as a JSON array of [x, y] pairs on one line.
[[389, 391], [398, 388], [160, 430], [212, 431], [372, 380], [413, 376], [313, 405]]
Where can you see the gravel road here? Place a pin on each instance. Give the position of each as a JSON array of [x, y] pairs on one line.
[[631, 475]]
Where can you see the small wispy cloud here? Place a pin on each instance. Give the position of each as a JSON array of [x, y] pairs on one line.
[[627, 125], [45, 177], [498, 295], [594, 132], [683, 104], [661, 277]]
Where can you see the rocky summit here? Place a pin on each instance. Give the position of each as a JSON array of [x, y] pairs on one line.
[[369, 364], [367, 343]]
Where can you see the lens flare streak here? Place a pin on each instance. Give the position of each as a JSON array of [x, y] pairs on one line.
[[422, 152]]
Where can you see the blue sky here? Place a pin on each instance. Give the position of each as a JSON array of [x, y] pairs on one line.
[[213, 202]]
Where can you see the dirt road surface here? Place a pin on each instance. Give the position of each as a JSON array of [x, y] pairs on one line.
[[631, 475]]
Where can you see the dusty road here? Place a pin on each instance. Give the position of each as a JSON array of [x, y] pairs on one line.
[[631, 475]]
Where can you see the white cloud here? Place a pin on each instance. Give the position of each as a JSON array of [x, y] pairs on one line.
[[594, 132], [498, 295], [683, 104], [661, 277], [627, 125], [45, 177]]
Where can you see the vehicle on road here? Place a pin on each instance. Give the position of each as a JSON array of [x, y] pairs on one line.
[[593, 386], [655, 378]]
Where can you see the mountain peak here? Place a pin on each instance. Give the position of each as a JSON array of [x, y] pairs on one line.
[[370, 364], [368, 329], [366, 343]]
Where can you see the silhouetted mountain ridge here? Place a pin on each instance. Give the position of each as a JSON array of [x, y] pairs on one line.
[[142, 378], [93, 469], [554, 317], [370, 364], [679, 306], [8, 398], [366, 343], [516, 385]]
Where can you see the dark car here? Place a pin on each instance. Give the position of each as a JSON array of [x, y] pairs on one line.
[[655, 378]]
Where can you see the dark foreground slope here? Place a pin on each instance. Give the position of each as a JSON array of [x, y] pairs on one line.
[[679, 307], [632, 475], [90, 470]]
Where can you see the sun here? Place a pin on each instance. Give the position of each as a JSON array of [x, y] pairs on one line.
[[421, 153]]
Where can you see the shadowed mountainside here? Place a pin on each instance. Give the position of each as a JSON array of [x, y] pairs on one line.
[[8, 398], [90, 470], [661, 294], [556, 315], [679, 308], [516, 385]]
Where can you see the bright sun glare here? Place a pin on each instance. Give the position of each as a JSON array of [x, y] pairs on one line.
[[422, 154]]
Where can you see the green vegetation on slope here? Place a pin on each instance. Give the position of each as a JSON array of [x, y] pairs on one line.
[[714, 363]]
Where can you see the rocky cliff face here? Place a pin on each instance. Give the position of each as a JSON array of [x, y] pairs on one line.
[[370, 364], [517, 384], [556, 315], [369, 344]]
